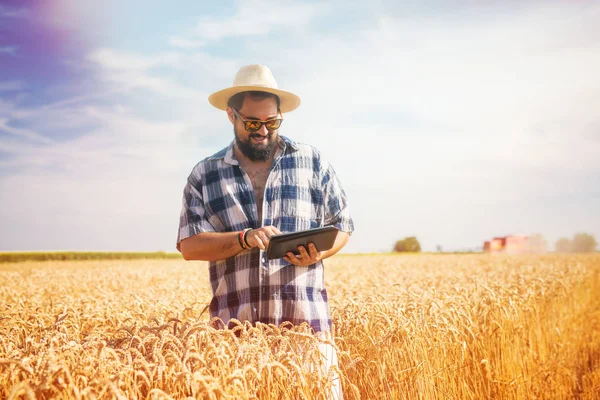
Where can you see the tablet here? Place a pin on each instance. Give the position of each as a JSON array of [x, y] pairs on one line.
[[280, 245]]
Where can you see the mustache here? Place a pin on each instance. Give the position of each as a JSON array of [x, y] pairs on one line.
[[259, 136]]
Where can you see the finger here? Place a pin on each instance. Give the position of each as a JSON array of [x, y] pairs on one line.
[[292, 258], [255, 240], [271, 230], [265, 237], [303, 253], [312, 251], [260, 243]]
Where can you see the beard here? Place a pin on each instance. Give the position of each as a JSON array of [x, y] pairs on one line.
[[256, 152]]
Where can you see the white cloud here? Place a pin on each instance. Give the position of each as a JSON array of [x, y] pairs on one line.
[[6, 107], [184, 43], [257, 18], [129, 71], [22, 132], [10, 50]]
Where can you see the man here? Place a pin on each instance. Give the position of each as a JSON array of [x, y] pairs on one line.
[[261, 185]]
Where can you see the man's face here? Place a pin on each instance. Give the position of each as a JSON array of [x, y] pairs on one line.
[[259, 145]]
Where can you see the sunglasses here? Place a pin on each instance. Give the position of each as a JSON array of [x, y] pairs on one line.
[[253, 125]]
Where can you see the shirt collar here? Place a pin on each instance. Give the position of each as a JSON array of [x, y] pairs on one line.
[[286, 144]]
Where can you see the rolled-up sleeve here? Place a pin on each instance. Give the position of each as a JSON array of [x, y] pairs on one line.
[[193, 219], [337, 209]]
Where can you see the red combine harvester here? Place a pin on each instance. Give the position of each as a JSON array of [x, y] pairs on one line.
[[514, 244]]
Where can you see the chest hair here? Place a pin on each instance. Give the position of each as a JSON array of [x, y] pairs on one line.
[[258, 178]]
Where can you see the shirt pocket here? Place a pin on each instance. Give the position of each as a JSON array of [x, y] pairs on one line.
[[298, 208], [299, 200], [301, 213]]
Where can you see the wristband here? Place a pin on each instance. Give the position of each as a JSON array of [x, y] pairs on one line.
[[241, 240], [244, 237]]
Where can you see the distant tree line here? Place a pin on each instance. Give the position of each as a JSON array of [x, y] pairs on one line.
[[83, 255], [581, 243]]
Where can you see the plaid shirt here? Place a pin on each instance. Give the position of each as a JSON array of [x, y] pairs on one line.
[[302, 192]]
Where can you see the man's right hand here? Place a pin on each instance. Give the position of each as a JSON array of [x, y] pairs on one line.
[[260, 237]]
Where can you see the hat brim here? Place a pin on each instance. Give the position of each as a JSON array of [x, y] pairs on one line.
[[288, 101]]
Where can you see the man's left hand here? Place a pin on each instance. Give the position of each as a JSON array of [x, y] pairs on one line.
[[305, 257]]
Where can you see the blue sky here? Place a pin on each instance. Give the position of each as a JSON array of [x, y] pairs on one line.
[[452, 121]]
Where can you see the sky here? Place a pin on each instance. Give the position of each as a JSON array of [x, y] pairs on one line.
[[451, 121]]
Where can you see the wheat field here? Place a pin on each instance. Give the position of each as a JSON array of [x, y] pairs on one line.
[[405, 327]]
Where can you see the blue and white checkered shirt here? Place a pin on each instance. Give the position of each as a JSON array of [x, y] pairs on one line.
[[302, 192]]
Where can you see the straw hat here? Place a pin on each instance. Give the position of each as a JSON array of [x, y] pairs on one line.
[[257, 78]]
